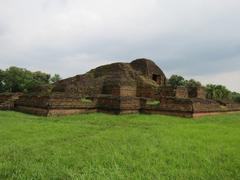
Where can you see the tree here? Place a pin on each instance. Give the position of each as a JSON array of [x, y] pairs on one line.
[[2, 86], [192, 84], [15, 79], [218, 92], [235, 97], [176, 81], [38, 79], [21, 80], [55, 78]]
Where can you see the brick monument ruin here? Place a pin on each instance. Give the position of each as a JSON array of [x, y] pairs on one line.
[[117, 88]]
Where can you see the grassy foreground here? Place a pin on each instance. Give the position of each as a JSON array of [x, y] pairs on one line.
[[100, 146]]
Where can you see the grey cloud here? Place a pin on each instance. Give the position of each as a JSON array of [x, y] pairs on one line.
[[3, 29], [189, 37]]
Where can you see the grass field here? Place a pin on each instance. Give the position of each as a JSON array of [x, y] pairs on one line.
[[100, 146]]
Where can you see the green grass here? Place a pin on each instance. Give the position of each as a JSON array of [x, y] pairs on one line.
[[100, 146], [152, 102], [87, 101]]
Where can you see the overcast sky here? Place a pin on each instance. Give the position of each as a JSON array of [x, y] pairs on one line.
[[194, 38]]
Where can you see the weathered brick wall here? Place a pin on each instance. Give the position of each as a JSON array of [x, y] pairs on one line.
[[51, 103], [72, 103], [233, 106], [127, 91], [32, 110], [108, 102], [166, 91], [99, 80], [120, 90], [47, 106], [147, 92], [7, 100], [33, 101], [79, 86], [174, 104], [206, 105], [140, 67], [200, 105], [63, 112], [181, 92], [118, 104], [148, 68], [189, 107], [9, 96], [130, 104], [171, 106], [4, 97], [7, 106], [54, 106], [199, 92]]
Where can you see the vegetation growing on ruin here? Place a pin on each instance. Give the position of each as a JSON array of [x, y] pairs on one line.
[[236, 97], [176, 80], [86, 100], [153, 102], [216, 92], [100, 146]]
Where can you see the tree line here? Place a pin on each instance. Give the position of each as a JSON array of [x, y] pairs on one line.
[[15, 79], [216, 92]]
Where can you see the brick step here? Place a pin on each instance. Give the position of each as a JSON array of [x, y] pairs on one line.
[[7, 105]]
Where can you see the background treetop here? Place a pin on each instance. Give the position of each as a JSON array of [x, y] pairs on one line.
[[15, 79], [216, 92]]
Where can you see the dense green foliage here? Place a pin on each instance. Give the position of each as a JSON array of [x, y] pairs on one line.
[[100, 146], [192, 83], [2, 88], [16, 79], [176, 80], [55, 78], [235, 96], [216, 92]]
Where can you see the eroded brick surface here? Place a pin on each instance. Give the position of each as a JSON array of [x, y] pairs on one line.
[[117, 88]]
